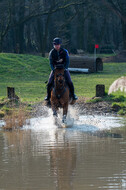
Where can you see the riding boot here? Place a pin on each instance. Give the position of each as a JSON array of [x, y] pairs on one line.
[[47, 98], [71, 86]]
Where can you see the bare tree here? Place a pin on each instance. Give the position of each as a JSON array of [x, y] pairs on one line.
[[119, 8], [5, 20]]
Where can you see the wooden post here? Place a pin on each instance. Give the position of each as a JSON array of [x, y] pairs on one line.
[[10, 92], [99, 64], [100, 90]]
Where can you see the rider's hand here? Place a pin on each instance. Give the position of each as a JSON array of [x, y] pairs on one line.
[[60, 61]]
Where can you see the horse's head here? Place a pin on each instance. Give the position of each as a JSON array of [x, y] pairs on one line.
[[59, 75]]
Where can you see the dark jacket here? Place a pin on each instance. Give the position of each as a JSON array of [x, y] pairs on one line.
[[55, 57]]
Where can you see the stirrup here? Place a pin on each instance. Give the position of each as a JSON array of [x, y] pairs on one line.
[[74, 97], [47, 98]]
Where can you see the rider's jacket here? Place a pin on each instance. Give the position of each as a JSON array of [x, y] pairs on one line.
[[59, 57]]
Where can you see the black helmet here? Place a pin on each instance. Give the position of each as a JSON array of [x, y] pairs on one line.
[[57, 41]]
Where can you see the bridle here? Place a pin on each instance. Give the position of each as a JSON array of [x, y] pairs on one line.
[[62, 89]]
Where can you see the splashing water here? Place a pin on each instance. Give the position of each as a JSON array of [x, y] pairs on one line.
[[75, 121]]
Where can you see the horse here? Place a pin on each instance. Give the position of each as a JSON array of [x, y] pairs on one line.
[[60, 92]]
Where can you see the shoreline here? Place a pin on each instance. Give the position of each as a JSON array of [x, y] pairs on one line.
[[83, 105], [18, 115], [94, 108]]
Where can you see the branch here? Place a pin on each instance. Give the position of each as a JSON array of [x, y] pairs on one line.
[[68, 21], [29, 17], [8, 24], [114, 6], [111, 6]]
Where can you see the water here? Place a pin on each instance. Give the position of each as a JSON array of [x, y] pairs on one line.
[[84, 157]]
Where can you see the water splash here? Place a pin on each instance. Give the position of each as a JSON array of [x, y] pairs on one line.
[[76, 122]]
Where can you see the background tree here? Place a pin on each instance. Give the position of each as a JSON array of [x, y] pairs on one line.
[[5, 20], [29, 26], [119, 8]]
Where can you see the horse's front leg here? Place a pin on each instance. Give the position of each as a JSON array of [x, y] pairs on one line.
[[54, 109], [55, 113], [65, 110]]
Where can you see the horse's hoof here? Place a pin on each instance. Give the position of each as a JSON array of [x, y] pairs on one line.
[[64, 119], [55, 114], [48, 103], [72, 101]]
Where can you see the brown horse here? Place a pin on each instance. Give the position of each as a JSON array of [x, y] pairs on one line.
[[60, 92]]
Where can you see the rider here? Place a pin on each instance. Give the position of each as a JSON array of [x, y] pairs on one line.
[[59, 55]]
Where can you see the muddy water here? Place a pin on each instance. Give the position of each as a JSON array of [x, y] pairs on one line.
[[91, 155]]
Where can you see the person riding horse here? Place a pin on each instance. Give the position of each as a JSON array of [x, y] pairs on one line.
[[59, 55]]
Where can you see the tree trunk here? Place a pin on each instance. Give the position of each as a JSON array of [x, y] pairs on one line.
[[80, 30], [124, 34], [1, 45], [21, 38], [44, 41], [46, 33], [29, 45], [39, 33], [21, 26]]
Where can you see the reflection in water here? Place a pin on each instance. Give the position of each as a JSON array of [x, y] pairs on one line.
[[63, 162], [43, 156]]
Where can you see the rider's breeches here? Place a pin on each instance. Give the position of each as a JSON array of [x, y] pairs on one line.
[[69, 81], [51, 78], [68, 77]]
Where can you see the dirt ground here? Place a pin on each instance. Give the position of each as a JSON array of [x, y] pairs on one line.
[[98, 108], [82, 107], [121, 57]]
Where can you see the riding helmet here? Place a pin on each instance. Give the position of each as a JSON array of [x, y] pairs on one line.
[[57, 41]]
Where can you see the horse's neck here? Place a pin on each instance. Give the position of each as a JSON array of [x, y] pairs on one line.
[[59, 87]]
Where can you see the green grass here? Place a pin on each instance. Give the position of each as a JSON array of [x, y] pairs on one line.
[[28, 73], [85, 83]]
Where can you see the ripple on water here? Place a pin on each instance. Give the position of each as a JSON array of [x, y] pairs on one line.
[[43, 156]]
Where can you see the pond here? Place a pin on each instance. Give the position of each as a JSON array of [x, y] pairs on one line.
[[90, 155]]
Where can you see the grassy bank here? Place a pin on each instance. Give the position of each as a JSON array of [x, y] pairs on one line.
[[28, 73]]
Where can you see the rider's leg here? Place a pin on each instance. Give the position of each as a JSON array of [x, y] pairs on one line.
[[70, 84], [49, 85]]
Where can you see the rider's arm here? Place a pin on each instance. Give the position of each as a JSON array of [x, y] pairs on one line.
[[51, 64], [67, 60], [51, 61]]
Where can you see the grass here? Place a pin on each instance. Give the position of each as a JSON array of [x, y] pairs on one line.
[[16, 119], [28, 73], [85, 83]]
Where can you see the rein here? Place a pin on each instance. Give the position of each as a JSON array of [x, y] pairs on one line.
[[59, 95]]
